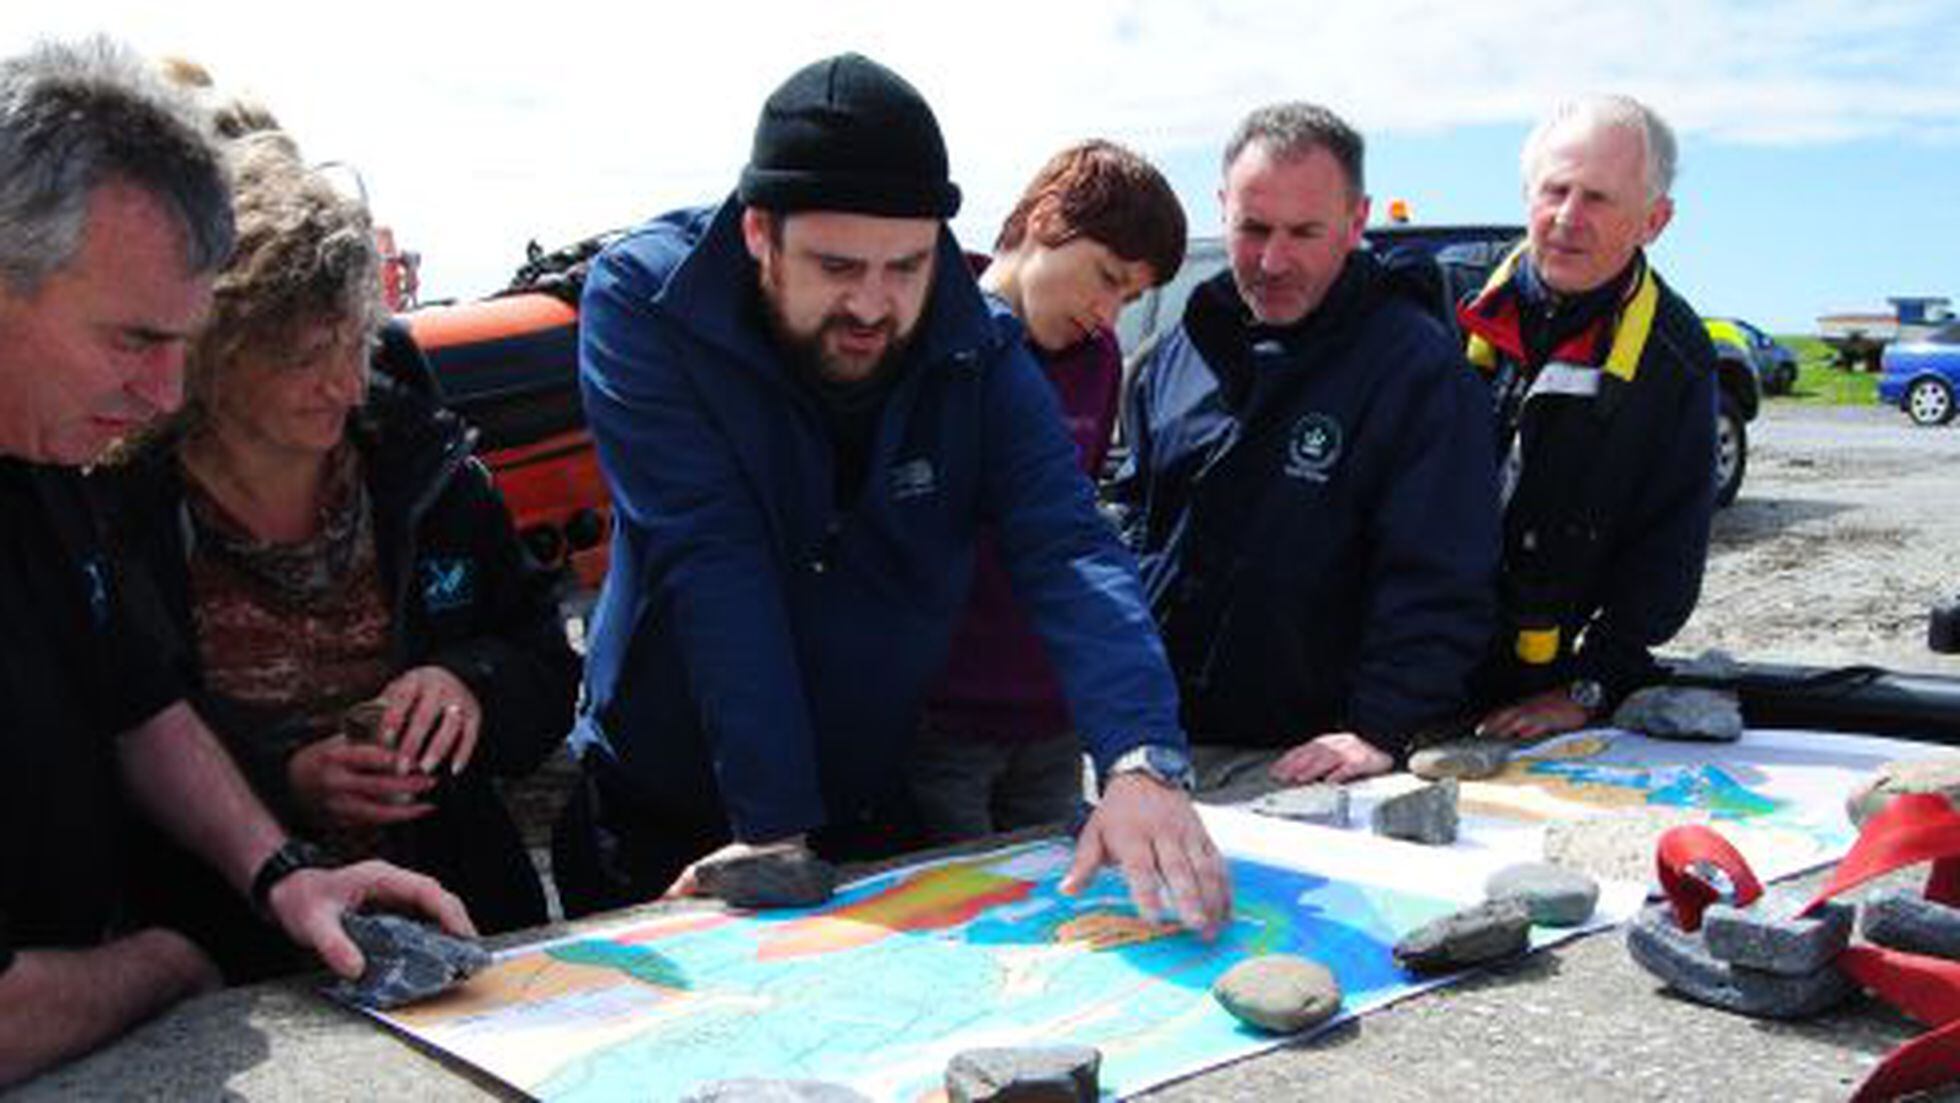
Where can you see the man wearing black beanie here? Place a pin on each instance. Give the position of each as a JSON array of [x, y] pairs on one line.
[[806, 411]]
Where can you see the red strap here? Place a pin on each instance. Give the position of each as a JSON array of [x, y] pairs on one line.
[[1916, 827], [1927, 1061], [1927, 988], [1684, 857]]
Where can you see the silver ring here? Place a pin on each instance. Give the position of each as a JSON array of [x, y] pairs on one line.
[[453, 709]]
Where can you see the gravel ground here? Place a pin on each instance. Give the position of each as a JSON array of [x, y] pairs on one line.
[[1846, 533]]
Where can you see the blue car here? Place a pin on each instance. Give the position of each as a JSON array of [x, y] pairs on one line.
[[1921, 376]]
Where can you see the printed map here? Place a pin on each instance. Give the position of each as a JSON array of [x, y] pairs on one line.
[[903, 970]]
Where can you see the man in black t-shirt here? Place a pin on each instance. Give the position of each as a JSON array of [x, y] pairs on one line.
[[114, 214]]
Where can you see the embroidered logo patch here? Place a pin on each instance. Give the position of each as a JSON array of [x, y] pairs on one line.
[[1314, 448], [913, 479], [447, 584]]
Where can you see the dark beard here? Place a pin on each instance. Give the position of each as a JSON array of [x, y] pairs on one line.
[[806, 353]]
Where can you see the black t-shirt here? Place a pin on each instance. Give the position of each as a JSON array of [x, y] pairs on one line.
[[74, 672]]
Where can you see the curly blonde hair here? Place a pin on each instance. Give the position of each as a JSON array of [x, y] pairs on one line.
[[306, 256]]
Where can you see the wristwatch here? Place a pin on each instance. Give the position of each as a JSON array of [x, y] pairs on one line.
[[292, 856], [1587, 694], [1163, 764]]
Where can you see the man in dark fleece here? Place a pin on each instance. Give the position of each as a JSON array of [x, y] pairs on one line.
[[1311, 487]]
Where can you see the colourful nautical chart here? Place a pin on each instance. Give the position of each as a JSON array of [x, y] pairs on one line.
[[903, 970]]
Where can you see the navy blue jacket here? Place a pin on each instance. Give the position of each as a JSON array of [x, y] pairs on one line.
[[1315, 513], [758, 653]]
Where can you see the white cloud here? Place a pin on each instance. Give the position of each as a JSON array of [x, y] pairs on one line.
[[479, 126]]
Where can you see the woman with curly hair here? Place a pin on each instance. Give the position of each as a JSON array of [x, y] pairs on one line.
[[322, 537]]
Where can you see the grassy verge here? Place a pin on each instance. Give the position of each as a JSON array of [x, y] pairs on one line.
[[1820, 382]]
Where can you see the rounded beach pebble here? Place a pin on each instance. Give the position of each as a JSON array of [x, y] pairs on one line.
[[1279, 993]]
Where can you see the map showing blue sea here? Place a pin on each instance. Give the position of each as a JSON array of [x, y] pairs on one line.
[[882, 986]]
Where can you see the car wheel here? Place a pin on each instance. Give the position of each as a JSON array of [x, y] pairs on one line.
[[1731, 451], [1929, 402]]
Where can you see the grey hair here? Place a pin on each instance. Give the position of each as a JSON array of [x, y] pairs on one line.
[[1599, 111], [1293, 130], [76, 116]]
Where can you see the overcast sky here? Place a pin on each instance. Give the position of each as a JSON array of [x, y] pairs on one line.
[[1821, 163]]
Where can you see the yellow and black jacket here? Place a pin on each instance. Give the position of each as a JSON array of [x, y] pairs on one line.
[[1607, 442]]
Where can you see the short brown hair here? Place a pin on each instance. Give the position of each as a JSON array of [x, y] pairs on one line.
[[1110, 195]]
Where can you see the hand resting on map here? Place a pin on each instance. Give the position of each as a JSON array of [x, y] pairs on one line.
[[1336, 756], [1538, 717]]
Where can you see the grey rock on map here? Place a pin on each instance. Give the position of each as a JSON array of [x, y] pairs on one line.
[[1682, 712], [1489, 931], [750, 1090], [1321, 803], [1771, 936], [1900, 919], [1927, 775], [1033, 1074], [1682, 962], [1280, 993], [1465, 759], [406, 961], [1554, 895], [1427, 815], [769, 879]]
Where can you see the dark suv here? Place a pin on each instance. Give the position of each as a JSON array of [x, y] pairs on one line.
[[1465, 257]]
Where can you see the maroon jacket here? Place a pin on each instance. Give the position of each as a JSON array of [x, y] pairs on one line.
[[998, 683]]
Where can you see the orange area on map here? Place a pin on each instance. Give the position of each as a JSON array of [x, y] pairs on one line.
[[931, 901], [1106, 931]]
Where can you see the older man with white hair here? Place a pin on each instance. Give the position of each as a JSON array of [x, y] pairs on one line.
[[1605, 392]]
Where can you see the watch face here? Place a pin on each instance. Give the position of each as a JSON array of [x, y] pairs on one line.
[[1587, 695], [1169, 764]]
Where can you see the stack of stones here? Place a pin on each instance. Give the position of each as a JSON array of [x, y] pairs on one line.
[[1768, 960], [1765, 959]]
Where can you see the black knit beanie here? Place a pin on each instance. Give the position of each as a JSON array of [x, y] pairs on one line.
[[848, 134]]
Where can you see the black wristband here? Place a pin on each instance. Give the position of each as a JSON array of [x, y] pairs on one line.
[[291, 857]]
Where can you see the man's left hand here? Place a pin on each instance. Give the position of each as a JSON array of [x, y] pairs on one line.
[[310, 902], [1536, 717], [1150, 831]]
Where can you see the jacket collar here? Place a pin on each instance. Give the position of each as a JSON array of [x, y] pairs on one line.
[[712, 293], [1227, 336], [1492, 320]]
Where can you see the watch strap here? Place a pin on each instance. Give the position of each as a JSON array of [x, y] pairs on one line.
[[292, 856]]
